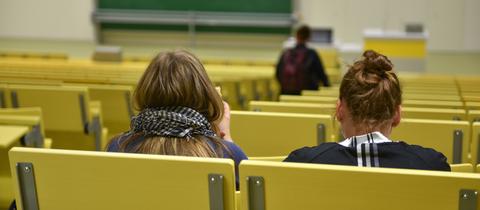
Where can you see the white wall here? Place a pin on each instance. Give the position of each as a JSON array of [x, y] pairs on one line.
[[472, 24], [47, 19], [452, 24]]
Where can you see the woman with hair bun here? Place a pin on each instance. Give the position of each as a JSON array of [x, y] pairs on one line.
[[368, 108]]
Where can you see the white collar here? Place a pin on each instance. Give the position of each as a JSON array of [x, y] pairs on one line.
[[374, 137]]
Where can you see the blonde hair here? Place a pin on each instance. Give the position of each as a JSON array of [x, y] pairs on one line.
[[371, 90], [178, 79]]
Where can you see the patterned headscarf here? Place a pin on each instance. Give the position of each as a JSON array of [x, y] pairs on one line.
[[181, 122]]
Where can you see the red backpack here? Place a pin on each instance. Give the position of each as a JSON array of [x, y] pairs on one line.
[[293, 71]]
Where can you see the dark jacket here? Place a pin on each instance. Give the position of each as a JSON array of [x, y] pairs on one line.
[[314, 73], [390, 155]]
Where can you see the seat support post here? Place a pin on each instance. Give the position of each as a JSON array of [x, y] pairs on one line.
[[256, 193], [457, 146], [321, 136], [215, 190], [26, 180]]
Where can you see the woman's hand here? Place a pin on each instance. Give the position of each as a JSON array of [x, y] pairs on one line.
[[224, 124]]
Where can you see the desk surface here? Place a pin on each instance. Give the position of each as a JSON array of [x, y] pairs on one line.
[[10, 134]]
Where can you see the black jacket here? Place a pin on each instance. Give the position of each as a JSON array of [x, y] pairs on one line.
[[390, 155]]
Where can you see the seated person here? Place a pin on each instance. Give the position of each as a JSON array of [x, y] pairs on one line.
[[181, 113], [368, 108]]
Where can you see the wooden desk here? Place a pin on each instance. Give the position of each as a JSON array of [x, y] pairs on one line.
[[9, 135]]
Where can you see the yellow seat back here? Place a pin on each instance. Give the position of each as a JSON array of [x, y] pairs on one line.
[[309, 99], [475, 150], [434, 113], [292, 107], [432, 97], [474, 115], [472, 105], [64, 108], [271, 158], [433, 104], [462, 167], [276, 134], [65, 179], [448, 137], [68, 115], [322, 92], [231, 93], [117, 107], [279, 186]]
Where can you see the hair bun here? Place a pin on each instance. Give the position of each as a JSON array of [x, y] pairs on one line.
[[376, 63]]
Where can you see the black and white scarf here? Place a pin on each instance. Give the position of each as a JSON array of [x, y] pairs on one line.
[[181, 122]]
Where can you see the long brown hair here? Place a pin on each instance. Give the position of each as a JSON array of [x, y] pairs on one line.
[[371, 90], [177, 79]]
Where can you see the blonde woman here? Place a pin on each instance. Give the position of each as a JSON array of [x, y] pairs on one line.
[[180, 112], [368, 109]]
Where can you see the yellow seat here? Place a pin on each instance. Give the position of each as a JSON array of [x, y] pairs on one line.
[[69, 119], [450, 92], [431, 97], [433, 104], [276, 134], [473, 98], [252, 82], [66, 179], [462, 167], [30, 55], [117, 107], [475, 142], [309, 99], [434, 113], [472, 105], [230, 89], [474, 115], [446, 136], [292, 107], [271, 158], [10, 137], [331, 63], [322, 92], [286, 186]]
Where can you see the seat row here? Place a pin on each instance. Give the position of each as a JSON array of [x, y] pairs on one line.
[[63, 179], [454, 132], [239, 83]]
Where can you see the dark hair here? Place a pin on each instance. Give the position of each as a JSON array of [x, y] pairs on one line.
[[303, 33], [371, 89]]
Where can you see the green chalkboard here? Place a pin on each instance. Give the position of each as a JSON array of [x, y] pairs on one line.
[[250, 6], [261, 6]]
